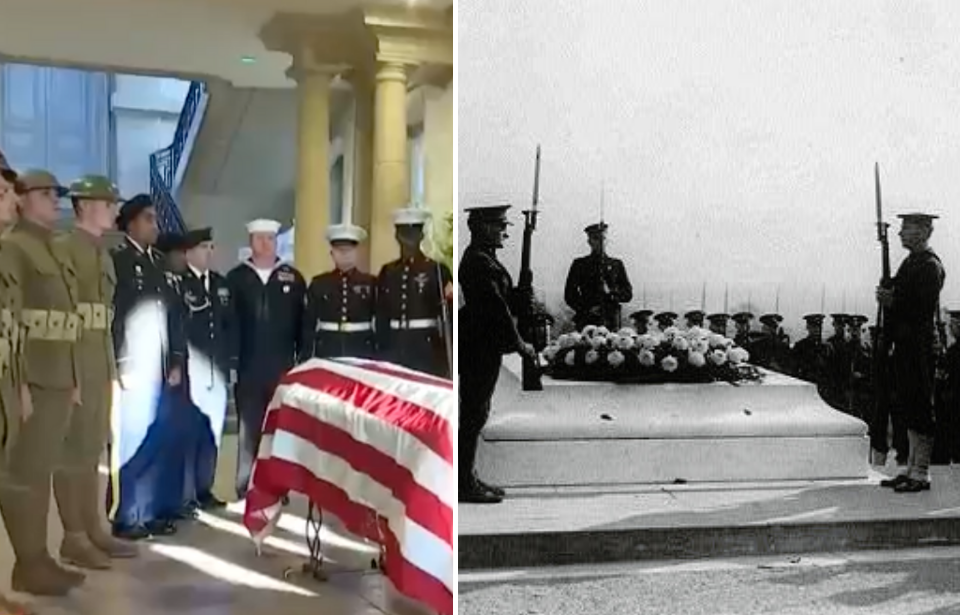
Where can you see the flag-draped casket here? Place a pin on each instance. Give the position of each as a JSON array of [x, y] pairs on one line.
[[372, 444]]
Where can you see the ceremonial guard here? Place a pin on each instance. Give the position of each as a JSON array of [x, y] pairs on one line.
[[860, 393], [146, 452], [948, 416], [641, 320], [211, 358], [174, 253], [743, 337], [837, 379], [42, 269], [413, 295], [487, 332], [341, 304], [11, 360], [77, 484], [694, 318], [770, 350], [719, 323], [268, 298], [665, 320], [810, 356], [597, 284], [911, 304]]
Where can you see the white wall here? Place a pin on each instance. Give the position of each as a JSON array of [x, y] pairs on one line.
[[736, 140], [146, 110]]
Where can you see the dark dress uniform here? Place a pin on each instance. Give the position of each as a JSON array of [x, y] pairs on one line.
[[810, 356], [910, 325], [595, 281], [861, 379], [948, 416], [212, 355], [487, 332], [268, 320], [839, 368], [410, 297], [340, 310], [146, 454]]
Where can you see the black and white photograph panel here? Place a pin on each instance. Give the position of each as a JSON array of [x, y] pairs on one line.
[[709, 307]]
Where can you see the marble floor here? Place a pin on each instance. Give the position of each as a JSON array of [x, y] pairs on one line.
[[210, 568]]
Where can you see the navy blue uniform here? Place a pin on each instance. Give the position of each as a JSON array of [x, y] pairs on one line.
[[340, 309]]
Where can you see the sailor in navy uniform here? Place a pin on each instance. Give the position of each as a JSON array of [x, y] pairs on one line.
[[410, 295], [268, 298], [211, 360], [340, 304], [145, 458]]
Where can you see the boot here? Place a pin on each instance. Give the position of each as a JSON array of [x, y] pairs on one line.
[[904, 476], [76, 549], [90, 499], [34, 571], [919, 479], [877, 458]]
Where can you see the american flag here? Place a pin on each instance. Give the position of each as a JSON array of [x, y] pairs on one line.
[[370, 443]]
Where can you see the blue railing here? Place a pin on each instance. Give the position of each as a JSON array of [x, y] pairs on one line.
[[165, 162]]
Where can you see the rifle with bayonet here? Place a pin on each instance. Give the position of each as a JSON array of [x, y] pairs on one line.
[[881, 345], [532, 321]]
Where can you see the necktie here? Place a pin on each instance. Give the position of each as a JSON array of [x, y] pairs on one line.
[[203, 280]]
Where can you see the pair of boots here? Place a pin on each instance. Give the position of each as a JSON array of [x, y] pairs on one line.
[[917, 475], [85, 542], [470, 489]]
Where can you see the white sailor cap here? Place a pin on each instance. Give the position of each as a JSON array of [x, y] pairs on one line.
[[346, 232], [411, 216], [263, 225]]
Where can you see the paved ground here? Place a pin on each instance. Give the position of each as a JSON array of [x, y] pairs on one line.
[[916, 582]]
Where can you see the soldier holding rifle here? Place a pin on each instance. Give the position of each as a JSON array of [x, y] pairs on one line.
[[909, 305], [487, 332], [597, 284]]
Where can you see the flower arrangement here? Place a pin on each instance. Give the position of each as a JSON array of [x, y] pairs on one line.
[[672, 355]]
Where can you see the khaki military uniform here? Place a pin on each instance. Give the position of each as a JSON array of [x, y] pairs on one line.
[[11, 357], [49, 326]]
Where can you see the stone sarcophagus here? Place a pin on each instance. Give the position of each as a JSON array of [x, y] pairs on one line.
[[602, 434]]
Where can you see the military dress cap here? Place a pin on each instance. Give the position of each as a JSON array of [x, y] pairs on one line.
[[718, 317], [6, 170], [665, 317], [597, 227], [38, 179], [170, 242], [411, 216], [816, 319], [858, 320], [133, 208], [840, 317], [194, 237], [641, 314], [694, 314], [771, 320], [742, 317], [263, 225], [918, 217], [94, 187], [491, 213], [346, 233]]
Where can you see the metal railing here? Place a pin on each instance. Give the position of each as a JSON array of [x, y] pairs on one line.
[[165, 162]]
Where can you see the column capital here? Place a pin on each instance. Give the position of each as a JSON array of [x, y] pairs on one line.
[[411, 36]]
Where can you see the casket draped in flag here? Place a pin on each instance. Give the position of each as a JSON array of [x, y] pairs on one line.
[[372, 444]]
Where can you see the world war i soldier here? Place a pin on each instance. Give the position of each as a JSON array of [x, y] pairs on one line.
[[718, 323], [341, 303], [838, 370], [413, 294], [770, 349], [487, 332], [743, 335], [146, 453], [641, 320], [810, 356], [861, 370], [77, 485], [211, 359], [268, 298], [694, 318], [597, 284], [911, 303], [12, 384], [665, 320], [47, 277], [948, 416]]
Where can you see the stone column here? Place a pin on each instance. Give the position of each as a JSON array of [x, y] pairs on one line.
[[391, 174], [361, 176], [312, 208]]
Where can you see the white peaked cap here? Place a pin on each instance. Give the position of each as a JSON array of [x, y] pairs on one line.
[[411, 216], [346, 232], [263, 225]]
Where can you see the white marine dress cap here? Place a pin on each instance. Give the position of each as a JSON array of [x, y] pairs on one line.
[[346, 232], [411, 216], [263, 225]]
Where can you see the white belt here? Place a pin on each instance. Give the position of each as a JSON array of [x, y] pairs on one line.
[[344, 327], [416, 323]]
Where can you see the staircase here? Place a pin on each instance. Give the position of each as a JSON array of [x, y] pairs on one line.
[[168, 165]]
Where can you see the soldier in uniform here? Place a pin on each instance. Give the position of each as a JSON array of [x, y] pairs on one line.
[[948, 418], [860, 393], [837, 378], [413, 293], [665, 320], [719, 323], [174, 253], [42, 268], [341, 304], [694, 318], [910, 305], [77, 485], [597, 284], [11, 358], [487, 332], [641, 320], [811, 356], [146, 453], [211, 358], [770, 350], [268, 298], [743, 337]]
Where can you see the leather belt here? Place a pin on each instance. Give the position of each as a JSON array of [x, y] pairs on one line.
[[51, 325], [344, 327], [415, 323], [95, 316]]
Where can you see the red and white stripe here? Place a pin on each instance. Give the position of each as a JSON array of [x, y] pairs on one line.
[[372, 444]]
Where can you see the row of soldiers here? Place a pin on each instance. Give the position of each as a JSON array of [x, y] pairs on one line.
[[79, 320]]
